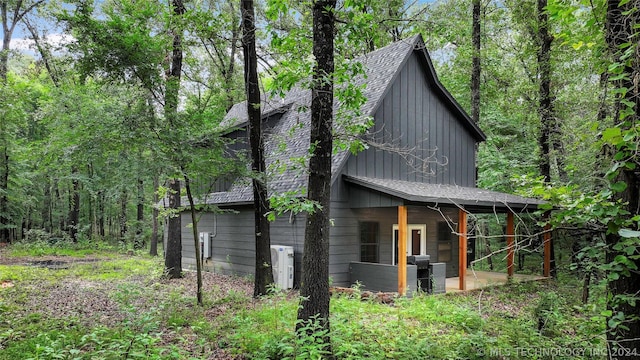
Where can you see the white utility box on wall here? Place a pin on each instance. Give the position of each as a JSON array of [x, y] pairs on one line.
[[282, 262]]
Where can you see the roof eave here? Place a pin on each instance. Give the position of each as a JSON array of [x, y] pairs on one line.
[[408, 198]]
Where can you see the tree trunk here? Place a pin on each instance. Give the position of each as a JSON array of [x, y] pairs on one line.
[[230, 71], [9, 17], [475, 69], [46, 208], [5, 221], [123, 215], [74, 206], [263, 270], [153, 249], [586, 284], [196, 239], [4, 156], [621, 29], [314, 303], [173, 258], [545, 109], [43, 50], [100, 214], [139, 242], [7, 34], [61, 218]]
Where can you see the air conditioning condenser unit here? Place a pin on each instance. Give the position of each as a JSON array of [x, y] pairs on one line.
[[282, 263]]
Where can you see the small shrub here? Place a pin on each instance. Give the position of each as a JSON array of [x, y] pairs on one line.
[[547, 314], [307, 343], [37, 236]]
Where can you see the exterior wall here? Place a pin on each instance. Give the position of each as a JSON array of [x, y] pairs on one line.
[[419, 215], [413, 116], [344, 243], [345, 236], [233, 247]]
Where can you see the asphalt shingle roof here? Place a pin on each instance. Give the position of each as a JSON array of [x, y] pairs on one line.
[[288, 141], [291, 132], [445, 194]]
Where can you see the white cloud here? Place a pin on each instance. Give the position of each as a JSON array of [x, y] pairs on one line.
[[56, 40]]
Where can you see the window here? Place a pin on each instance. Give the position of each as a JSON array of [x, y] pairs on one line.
[[369, 231], [444, 242]]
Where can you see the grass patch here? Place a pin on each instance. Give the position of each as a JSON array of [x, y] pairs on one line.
[[111, 269], [121, 268], [64, 247]]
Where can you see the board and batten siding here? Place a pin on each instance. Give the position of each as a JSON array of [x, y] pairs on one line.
[[233, 240], [413, 116], [344, 239]]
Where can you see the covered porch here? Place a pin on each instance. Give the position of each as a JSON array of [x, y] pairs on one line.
[[461, 201]]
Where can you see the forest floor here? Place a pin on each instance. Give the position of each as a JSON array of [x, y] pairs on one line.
[[82, 292], [108, 305]]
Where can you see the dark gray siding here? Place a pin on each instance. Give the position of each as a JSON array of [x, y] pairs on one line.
[[364, 198], [412, 116], [345, 237], [344, 243], [232, 247], [233, 244]]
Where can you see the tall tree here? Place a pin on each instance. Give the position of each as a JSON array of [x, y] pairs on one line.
[[548, 119], [173, 257], [314, 292], [153, 247], [263, 270], [10, 14], [623, 330], [545, 111], [74, 206]]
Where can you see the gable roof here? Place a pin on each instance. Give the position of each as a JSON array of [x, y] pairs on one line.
[[291, 132]]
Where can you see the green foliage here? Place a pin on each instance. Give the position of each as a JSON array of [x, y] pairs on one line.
[[38, 242], [602, 213], [547, 313], [291, 201], [426, 326], [307, 343]]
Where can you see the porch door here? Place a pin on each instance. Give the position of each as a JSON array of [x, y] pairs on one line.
[[416, 241]]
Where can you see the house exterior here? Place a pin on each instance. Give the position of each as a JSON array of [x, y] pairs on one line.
[[416, 180]]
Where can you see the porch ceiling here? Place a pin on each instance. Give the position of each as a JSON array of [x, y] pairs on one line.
[[468, 197]]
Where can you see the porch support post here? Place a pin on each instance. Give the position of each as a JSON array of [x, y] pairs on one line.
[[510, 243], [402, 249], [547, 250], [462, 251]]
